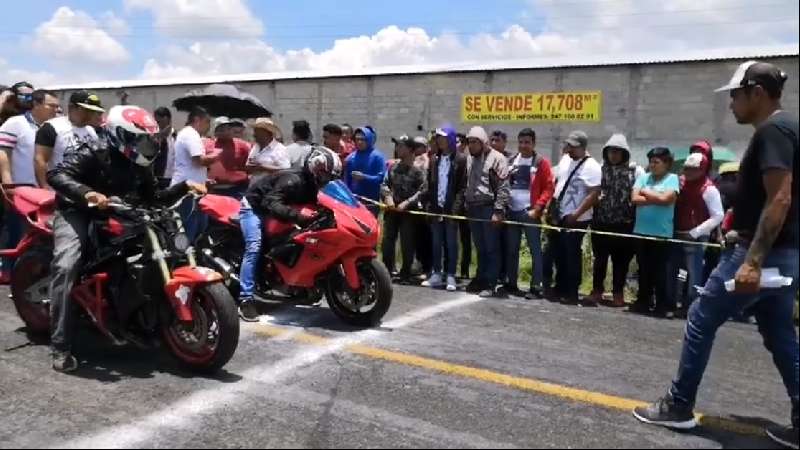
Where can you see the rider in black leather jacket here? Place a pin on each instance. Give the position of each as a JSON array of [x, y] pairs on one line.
[[88, 176]]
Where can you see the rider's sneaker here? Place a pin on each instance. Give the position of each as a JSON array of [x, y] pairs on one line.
[[667, 414], [248, 310], [64, 362]]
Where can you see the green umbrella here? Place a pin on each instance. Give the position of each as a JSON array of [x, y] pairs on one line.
[[722, 155]]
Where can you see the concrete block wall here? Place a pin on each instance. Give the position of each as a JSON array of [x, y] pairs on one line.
[[670, 104]]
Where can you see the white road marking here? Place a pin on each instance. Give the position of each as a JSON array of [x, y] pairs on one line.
[[182, 414]]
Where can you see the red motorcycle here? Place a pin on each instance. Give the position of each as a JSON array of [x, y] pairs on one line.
[[135, 284], [334, 257]]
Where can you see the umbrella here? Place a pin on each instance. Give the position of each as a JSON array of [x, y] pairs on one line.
[[223, 100], [722, 155]]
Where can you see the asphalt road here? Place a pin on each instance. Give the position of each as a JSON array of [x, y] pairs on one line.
[[444, 371]]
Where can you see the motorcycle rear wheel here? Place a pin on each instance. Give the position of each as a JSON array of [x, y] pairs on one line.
[[30, 290]]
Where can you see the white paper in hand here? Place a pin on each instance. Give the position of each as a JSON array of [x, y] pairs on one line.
[[771, 278]]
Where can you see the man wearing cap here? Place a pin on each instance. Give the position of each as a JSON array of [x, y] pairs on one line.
[[63, 134], [572, 207], [238, 129], [447, 182], [228, 172], [767, 235], [267, 155]]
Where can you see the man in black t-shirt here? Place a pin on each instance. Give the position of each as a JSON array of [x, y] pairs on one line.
[[766, 222]]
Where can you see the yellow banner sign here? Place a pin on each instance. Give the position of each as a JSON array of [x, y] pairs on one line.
[[532, 107]]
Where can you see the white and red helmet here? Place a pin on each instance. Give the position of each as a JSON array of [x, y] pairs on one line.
[[132, 130], [324, 165]]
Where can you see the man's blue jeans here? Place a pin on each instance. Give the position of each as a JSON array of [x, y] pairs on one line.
[[194, 221], [251, 229], [773, 308], [487, 241], [445, 237], [565, 252], [513, 243]]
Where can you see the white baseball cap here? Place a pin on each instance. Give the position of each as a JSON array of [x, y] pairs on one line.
[[755, 73], [694, 161]]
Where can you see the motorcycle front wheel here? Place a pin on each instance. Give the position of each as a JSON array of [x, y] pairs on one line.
[[209, 342], [367, 306]]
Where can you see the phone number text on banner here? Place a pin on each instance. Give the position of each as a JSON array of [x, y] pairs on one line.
[[532, 107]]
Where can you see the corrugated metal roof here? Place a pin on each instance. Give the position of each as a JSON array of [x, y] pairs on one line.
[[597, 60]]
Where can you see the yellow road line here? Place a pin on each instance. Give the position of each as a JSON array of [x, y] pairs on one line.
[[524, 384]]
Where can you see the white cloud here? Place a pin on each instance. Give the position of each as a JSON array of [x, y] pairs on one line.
[[658, 25], [76, 37], [207, 18], [567, 28], [390, 46], [116, 26], [10, 75], [229, 36]]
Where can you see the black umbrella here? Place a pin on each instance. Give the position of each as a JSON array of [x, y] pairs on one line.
[[223, 100]]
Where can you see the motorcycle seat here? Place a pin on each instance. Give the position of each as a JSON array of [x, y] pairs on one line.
[[235, 219]]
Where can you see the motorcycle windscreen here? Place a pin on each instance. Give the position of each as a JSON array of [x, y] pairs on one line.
[[338, 191]]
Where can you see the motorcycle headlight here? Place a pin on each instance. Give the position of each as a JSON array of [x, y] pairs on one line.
[[182, 242]]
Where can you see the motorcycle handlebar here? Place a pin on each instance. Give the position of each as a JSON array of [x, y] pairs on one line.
[[118, 205]]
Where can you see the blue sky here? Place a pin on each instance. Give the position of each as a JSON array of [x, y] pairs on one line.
[[138, 39]]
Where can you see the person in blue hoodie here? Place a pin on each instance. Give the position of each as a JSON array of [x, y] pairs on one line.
[[366, 167]]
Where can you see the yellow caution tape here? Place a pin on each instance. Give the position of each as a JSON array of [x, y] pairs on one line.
[[543, 226]]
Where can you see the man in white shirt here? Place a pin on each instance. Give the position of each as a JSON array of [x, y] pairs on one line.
[[301, 133], [63, 134], [268, 155], [191, 164], [17, 138], [577, 191]]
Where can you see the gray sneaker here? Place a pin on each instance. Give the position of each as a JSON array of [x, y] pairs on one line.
[[64, 362], [785, 436], [666, 413]]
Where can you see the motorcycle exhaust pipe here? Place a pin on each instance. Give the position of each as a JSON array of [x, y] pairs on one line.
[[221, 265]]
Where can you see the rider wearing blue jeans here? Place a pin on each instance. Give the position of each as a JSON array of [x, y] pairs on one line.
[[273, 196], [767, 235]]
